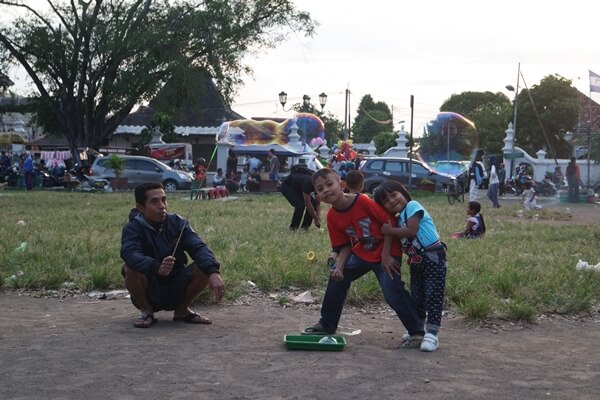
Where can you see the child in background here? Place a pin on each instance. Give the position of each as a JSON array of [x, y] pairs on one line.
[[355, 181], [427, 259], [354, 225], [475, 226], [244, 179], [529, 197]]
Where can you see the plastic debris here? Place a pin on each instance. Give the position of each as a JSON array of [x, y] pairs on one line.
[[21, 222], [21, 249], [585, 266], [304, 297]]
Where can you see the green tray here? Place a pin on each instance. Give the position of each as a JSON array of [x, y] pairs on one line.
[[311, 342]]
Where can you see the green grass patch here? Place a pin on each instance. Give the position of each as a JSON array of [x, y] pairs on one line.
[[523, 267]]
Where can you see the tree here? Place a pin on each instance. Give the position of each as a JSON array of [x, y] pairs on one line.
[[555, 103], [92, 61], [162, 122], [371, 120], [489, 111], [384, 141]]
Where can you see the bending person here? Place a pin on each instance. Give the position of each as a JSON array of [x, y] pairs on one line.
[[299, 191]]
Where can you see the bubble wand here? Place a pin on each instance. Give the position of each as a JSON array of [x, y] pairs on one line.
[[189, 213]]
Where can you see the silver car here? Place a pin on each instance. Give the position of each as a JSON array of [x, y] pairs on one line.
[[139, 169]]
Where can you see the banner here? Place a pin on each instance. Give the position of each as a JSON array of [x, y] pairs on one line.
[[594, 82]]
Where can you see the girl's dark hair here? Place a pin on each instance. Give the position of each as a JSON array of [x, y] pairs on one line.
[[387, 187], [475, 206]]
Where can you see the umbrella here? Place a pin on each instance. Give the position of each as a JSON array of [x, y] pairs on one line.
[[11, 138]]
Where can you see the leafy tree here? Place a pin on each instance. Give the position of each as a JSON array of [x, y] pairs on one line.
[[558, 110], [491, 113], [371, 120], [92, 61], [384, 141], [162, 122]]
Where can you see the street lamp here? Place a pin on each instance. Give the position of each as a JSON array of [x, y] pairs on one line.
[[511, 88], [516, 107], [305, 100]]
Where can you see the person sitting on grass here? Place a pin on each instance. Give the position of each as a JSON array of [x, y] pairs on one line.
[[475, 226], [354, 224], [153, 247]]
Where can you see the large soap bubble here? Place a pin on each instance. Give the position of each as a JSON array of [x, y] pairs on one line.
[[449, 139]]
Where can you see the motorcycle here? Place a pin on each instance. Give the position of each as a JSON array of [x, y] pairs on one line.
[[77, 178]]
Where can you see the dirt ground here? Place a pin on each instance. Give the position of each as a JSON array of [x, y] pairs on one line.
[[85, 348]]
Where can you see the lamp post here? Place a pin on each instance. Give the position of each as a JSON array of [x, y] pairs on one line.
[[305, 104], [305, 100], [516, 107]]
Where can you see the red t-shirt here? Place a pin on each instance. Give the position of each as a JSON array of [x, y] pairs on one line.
[[360, 225]]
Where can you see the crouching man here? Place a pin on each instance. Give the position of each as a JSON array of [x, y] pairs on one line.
[[153, 247]]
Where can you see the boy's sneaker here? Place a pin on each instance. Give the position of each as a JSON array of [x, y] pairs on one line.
[[430, 342], [413, 342], [405, 337]]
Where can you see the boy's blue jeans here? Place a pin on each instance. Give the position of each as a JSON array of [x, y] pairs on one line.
[[394, 292]]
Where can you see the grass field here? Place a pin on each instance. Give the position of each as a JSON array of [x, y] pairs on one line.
[[523, 267]]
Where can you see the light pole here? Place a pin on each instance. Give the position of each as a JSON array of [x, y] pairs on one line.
[[305, 104], [305, 100], [516, 107]]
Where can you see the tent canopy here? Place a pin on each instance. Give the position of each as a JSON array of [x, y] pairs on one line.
[[11, 138]]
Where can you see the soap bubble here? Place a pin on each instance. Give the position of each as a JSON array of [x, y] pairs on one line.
[[449, 137]]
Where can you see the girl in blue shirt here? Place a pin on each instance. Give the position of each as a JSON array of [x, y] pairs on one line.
[[427, 258]]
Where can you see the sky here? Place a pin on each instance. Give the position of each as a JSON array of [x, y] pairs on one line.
[[430, 49]]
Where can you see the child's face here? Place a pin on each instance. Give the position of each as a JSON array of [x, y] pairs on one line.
[[394, 202], [329, 188], [469, 211]]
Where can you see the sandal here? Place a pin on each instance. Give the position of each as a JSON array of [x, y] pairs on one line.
[[145, 321], [193, 318], [317, 329], [413, 342]]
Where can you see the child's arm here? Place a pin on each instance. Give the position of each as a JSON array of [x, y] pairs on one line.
[[468, 227], [410, 230], [388, 262], [338, 273]]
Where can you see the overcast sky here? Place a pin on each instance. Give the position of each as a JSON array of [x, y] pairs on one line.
[[430, 49]]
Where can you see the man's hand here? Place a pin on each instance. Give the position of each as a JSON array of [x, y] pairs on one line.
[[318, 221], [166, 265], [216, 286]]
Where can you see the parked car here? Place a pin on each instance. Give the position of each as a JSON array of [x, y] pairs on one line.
[[378, 169], [139, 169]]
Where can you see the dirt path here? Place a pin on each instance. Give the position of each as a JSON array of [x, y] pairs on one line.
[[79, 348]]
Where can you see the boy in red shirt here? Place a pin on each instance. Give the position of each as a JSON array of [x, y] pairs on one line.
[[354, 223]]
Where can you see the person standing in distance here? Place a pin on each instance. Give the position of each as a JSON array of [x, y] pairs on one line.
[[273, 165]]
